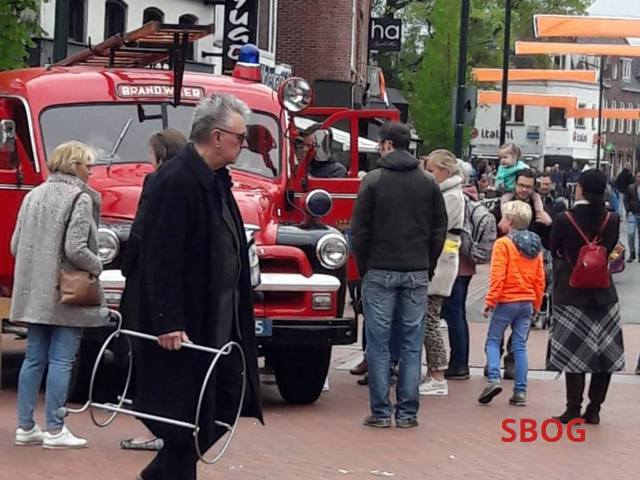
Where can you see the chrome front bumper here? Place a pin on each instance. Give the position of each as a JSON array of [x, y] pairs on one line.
[[113, 282]]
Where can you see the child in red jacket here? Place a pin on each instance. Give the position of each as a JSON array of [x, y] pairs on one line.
[[516, 287]]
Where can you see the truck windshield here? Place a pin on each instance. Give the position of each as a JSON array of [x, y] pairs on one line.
[[104, 126]]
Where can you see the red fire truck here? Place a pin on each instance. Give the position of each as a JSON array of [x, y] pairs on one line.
[[108, 97]]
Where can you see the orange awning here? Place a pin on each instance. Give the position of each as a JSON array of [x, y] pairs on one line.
[[614, 113], [580, 26], [487, 97], [495, 75], [558, 48]]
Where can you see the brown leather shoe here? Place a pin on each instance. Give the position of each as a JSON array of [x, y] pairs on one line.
[[360, 369]]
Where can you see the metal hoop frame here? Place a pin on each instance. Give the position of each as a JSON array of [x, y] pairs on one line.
[[116, 409]]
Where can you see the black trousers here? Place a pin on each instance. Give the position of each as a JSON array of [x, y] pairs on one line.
[[176, 461]]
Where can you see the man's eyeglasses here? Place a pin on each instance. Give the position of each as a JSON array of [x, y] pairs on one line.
[[242, 137]]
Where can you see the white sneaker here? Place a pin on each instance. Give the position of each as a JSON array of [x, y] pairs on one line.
[[29, 437], [63, 439], [434, 387]]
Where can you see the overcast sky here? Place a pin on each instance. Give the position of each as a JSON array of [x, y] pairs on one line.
[[615, 8]]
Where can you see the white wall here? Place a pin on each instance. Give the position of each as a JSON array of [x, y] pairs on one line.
[[572, 141], [173, 10]]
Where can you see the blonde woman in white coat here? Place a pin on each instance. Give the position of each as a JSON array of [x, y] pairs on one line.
[[444, 167]]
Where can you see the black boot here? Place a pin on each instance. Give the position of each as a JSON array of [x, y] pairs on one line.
[[575, 388], [597, 393], [638, 366]]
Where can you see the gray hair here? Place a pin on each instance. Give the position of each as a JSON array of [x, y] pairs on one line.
[[213, 113]]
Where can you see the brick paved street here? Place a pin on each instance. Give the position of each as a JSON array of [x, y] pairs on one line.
[[457, 438]]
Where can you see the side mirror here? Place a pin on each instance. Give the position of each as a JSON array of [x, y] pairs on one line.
[[7, 135]]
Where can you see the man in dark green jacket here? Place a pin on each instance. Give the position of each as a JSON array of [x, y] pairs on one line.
[[399, 226]]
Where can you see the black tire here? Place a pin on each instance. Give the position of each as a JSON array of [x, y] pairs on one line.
[[301, 371]]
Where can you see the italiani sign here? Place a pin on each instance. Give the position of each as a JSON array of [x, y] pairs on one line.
[[385, 34]]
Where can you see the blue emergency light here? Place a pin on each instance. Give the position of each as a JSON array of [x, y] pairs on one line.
[[249, 54]]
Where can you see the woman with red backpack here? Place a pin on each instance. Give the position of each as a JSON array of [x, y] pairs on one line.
[[586, 332]]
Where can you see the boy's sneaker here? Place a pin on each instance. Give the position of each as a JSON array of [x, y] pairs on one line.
[[375, 422], [491, 390], [28, 437], [406, 422], [434, 387], [63, 439], [519, 399]]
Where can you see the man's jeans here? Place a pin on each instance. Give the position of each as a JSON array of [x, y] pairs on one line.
[[51, 346], [398, 300], [633, 223], [518, 316], [454, 311]]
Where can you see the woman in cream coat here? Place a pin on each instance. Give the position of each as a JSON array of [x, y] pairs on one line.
[[444, 167]]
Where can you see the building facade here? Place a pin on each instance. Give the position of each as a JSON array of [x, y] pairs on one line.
[[92, 21], [327, 44], [545, 135], [621, 138]]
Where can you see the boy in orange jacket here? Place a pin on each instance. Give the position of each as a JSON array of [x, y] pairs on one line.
[[516, 287]]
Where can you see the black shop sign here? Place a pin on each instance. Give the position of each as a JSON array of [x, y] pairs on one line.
[[240, 27], [385, 34]]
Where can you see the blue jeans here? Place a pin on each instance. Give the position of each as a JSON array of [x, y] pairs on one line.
[[454, 311], [51, 346], [633, 222], [518, 316], [398, 301]]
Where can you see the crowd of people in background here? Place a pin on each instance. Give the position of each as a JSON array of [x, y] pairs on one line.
[[543, 219]]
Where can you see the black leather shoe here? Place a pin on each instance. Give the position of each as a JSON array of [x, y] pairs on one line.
[[631, 259], [359, 369], [364, 380], [571, 413], [457, 373]]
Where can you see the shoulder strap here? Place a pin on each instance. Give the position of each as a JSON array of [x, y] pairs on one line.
[[575, 225]]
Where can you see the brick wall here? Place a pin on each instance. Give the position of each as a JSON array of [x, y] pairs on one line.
[[315, 38]]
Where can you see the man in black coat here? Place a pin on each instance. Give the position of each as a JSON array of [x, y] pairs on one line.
[[195, 287], [399, 228]]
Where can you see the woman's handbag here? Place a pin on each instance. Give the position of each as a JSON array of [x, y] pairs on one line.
[[77, 287], [617, 259]]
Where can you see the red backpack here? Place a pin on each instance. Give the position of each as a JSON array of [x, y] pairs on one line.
[[592, 266]]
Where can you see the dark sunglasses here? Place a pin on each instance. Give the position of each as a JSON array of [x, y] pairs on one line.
[[242, 137]]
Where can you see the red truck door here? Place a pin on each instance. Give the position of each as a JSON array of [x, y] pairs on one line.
[[17, 177], [343, 191]]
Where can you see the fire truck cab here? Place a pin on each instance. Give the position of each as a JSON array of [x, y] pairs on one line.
[[295, 223]]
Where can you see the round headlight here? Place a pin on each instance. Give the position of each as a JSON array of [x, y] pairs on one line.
[[332, 251], [295, 94], [318, 203], [108, 245]]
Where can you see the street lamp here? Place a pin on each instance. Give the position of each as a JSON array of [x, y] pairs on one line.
[[462, 77], [505, 70]]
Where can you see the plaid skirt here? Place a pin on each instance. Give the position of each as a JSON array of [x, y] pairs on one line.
[[585, 340]]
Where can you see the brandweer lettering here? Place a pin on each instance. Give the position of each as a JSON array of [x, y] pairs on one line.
[[551, 430], [158, 91]]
